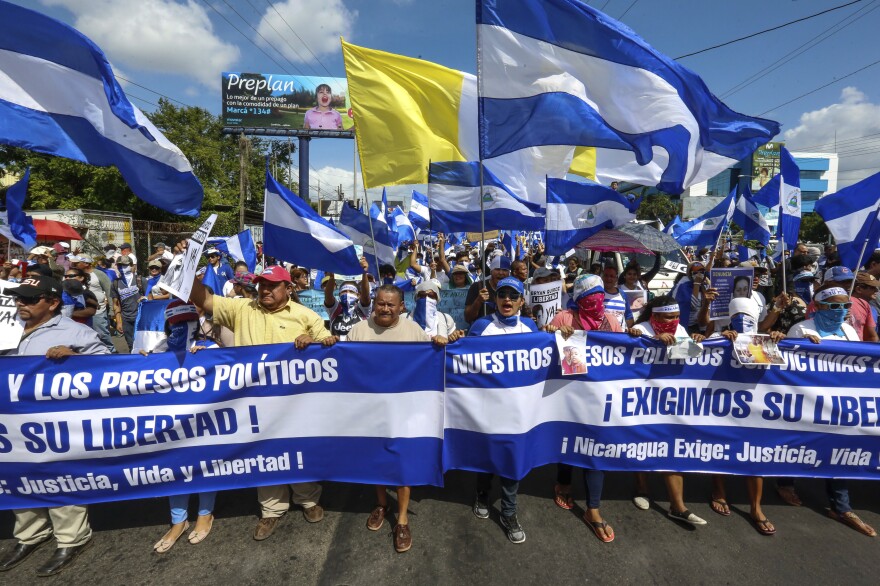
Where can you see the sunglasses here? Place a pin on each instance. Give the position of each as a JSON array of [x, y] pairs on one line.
[[511, 295], [70, 276], [28, 300], [841, 305]]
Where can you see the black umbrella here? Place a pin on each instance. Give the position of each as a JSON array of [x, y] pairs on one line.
[[651, 238]]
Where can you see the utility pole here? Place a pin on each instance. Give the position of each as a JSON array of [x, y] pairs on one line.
[[243, 157]]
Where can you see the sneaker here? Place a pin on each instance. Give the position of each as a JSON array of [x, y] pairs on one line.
[[515, 532], [642, 502], [687, 517], [481, 505]]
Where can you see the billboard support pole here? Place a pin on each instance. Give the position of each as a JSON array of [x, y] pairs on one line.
[[289, 164], [304, 167], [243, 158]]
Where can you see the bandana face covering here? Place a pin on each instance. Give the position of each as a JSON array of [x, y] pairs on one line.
[[348, 302], [829, 322], [180, 336], [511, 321], [664, 327], [591, 311], [425, 315]]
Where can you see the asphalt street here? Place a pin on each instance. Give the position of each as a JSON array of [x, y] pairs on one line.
[[451, 546]]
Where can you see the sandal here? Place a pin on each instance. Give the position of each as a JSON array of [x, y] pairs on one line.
[[764, 526], [600, 529], [563, 499], [721, 507], [852, 520], [164, 545], [199, 536], [789, 496]]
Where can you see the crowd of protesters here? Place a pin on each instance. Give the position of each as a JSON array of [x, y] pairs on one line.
[[74, 303]]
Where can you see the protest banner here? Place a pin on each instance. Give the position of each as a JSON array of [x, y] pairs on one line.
[[178, 279], [101, 428], [508, 409], [729, 283], [546, 301]]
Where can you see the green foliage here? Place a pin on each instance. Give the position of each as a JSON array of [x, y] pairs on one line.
[[813, 229], [658, 206], [58, 183]]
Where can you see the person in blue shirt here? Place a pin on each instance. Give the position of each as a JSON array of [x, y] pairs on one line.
[[155, 268], [509, 300]]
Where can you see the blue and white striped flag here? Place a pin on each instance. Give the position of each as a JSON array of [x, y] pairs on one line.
[[419, 214], [576, 211], [789, 200], [405, 230], [357, 226], [454, 194], [705, 230], [851, 217], [58, 96], [748, 217], [582, 78], [240, 247], [294, 232], [149, 325], [16, 225]]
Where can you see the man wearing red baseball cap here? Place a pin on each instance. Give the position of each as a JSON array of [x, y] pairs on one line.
[[272, 318]]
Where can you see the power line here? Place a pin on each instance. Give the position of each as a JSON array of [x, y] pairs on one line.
[[783, 25], [604, 5], [151, 90], [229, 22], [259, 34], [269, 2], [800, 50], [845, 142], [634, 2], [286, 42], [821, 87], [142, 99]]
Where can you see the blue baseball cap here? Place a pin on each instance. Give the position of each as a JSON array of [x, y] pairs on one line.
[[511, 282], [839, 274]]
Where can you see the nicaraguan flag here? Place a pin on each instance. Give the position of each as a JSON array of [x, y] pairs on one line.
[[241, 247], [748, 217], [789, 200], [851, 217], [454, 195], [405, 230], [419, 214], [745, 253], [16, 225], [357, 227], [294, 232], [58, 96], [558, 72], [705, 230], [149, 325], [576, 211]]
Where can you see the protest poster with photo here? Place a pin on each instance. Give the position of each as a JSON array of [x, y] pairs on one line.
[[11, 327], [729, 283], [636, 300], [757, 349], [182, 270], [572, 352], [545, 300]]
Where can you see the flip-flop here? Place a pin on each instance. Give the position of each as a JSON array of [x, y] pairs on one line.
[[563, 500], [598, 527], [764, 526], [163, 545], [199, 536], [721, 507], [789, 496]]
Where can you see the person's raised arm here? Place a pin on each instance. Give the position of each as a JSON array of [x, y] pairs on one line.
[[413, 260], [200, 297], [364, 289], [441, 245], [329, 286], [647, 277]]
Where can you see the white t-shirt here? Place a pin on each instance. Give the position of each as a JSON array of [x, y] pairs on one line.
[[808, 326]]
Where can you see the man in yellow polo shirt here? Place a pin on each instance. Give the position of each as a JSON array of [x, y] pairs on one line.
[[271, 318]]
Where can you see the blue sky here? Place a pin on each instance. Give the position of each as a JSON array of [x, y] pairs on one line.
[[180, 47]]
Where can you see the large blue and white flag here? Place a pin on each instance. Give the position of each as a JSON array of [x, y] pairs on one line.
[[748, 217], [582, 78], [789, 200], [851, 217], [149, 325], [241, 247], [402, 225], [419, 215], [454, 195], [16, 225], [377, 249], [706, 230], [576, 211], [294, 232], [58, 96]]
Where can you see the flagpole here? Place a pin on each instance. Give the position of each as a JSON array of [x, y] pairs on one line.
[[852, 285], [779, 234], [480, 156]]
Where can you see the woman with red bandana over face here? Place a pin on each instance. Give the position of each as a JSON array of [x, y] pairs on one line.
[[586, 311], [660, 320]]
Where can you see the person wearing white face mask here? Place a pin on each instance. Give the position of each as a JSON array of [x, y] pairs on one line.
[[426, 314], [127, 292]]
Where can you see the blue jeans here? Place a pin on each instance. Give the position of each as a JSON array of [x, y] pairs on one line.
[[509, 488], [838, 495], [179, 504], [101, 327], [594, 480]]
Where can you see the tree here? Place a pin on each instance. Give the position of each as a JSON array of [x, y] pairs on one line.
[[813, 228], [658, 206]]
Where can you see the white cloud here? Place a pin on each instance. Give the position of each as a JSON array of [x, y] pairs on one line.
[[318, 23], [853, 124], [331, 177], [155, 35]]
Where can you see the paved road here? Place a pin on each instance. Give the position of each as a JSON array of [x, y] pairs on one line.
[[452, 546]]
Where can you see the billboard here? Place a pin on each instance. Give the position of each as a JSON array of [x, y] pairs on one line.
[[266, 100], [765, 164]]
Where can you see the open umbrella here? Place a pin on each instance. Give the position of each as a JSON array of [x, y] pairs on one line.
[[55, 230], [613, 241], [650, 237]]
